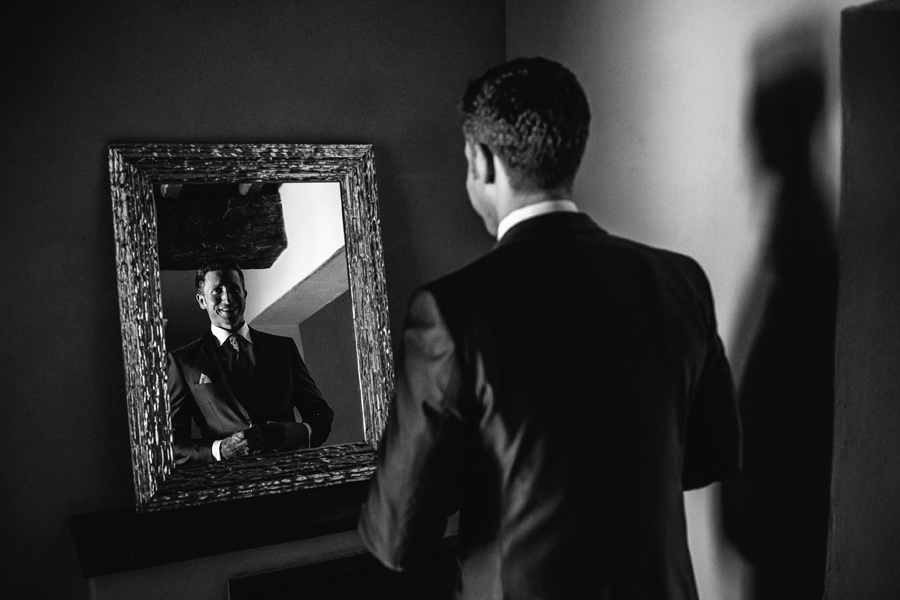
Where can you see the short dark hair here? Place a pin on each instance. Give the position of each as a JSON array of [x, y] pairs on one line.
[[216, 264], [534, 115]]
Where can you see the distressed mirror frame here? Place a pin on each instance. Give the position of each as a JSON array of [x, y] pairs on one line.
[[134, 170]]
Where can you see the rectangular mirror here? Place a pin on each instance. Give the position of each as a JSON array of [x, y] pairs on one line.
[[302, 222]]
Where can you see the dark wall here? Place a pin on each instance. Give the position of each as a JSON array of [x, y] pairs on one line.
[[78, 78], [865, 545]]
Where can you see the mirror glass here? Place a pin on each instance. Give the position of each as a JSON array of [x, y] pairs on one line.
[[288, 240], [302, 222]]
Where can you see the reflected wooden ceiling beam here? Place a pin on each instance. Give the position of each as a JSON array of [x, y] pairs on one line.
[[247, 229]]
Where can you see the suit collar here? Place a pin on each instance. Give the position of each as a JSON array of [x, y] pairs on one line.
[[533, 210], [222, 335], [549, 224]]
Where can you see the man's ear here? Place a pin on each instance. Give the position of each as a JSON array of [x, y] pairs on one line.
[[201, 301], [486, 158]]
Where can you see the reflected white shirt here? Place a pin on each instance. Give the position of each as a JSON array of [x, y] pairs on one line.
[[534, 210]]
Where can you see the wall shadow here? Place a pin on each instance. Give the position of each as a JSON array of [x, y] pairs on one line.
[[775, 512]]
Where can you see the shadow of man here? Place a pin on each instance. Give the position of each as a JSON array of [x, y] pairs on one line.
[[775, 511]]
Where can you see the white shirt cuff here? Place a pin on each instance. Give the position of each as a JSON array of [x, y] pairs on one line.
[[217, 443]]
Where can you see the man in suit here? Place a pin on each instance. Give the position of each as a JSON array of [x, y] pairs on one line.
[[239, 385], [562, 391]]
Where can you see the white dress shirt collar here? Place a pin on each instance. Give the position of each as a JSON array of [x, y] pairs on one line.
[[533, 210], [222, 334]]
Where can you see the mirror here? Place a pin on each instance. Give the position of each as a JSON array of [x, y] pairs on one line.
[[302, 222], [288, 239]]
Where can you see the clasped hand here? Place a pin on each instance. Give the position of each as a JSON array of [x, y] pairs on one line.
[[273, 437], [243, 443]]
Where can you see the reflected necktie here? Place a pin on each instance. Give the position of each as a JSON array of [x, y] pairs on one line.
[[239, 365], [234, 340], [238, 358]]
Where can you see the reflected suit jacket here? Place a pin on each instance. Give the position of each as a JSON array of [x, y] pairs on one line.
[[560, 393], [200, 391]]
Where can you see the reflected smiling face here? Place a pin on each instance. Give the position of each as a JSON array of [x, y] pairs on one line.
[[223, 299]]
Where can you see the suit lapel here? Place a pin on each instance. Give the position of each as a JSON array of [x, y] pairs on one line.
[[210, 359], [263, 360]]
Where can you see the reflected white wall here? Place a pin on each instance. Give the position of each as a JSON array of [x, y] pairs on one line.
[[315, 231]]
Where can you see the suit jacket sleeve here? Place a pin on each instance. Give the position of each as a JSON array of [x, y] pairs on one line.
[[713, 434], [309, 399], [182, 409], [414, 489]]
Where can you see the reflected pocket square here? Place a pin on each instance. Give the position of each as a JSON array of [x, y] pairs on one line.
[[204, 379]]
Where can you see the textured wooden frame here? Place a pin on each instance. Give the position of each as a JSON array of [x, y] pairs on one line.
[[134, 169]]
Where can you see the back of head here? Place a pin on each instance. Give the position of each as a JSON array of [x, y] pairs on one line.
[[533, 114]]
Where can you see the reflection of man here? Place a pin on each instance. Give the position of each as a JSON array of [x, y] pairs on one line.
[[562, 391], [239, 385]]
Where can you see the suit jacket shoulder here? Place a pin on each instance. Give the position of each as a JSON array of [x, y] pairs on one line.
[[269, 338], [193, 347], [548, 252]]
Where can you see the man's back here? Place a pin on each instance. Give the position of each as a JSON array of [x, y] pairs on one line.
[[561, 392]]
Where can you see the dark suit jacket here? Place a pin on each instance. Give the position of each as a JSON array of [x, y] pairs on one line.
[[281, 382], [561, 393]]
